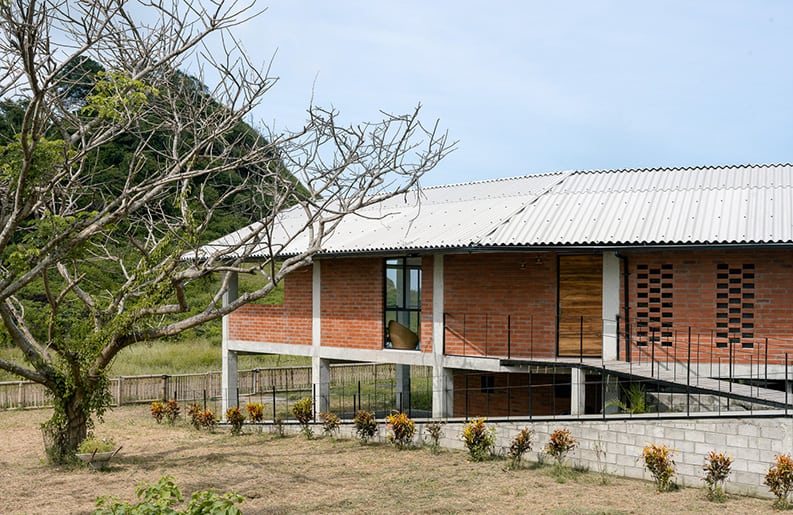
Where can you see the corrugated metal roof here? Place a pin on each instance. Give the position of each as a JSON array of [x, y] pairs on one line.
[[675, 206]]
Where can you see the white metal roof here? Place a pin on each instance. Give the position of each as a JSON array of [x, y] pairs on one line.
[[677, 206]]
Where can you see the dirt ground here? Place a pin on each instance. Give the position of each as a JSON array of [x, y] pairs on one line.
[[293, 475]]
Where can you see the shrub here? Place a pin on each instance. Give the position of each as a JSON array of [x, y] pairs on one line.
[[520, 445], [402, 429], [717, 468], [235, 418], [164, 496], [303, 411], [559, 445], [435, 431], [365, 425], [207, 419], [194, 411], [92, 444], [172, 411], [479, 439], [779, 480], [158, 411], [330, 423], [659, 462], [255, 411]]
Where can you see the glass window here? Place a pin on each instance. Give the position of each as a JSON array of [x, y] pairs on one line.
[[403, 295]]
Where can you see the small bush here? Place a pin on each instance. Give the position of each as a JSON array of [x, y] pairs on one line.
[[779, 480], [330, 423], [559, 445], [235, 418], [194, 411], [434, 431], [520, 445], [303, 410], [172, 411], [659, 462], [717, 468], [206, 419], [164, 496], [92, 444], [157, 411], [479, 439], [402, 429], [365, 425], [255, 411]]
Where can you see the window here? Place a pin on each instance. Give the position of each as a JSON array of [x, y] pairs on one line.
[[403, 294]]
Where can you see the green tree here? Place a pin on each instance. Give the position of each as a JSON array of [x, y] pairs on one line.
[[105, 203]]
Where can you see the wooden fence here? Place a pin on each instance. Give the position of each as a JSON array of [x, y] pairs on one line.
[[194, 387]]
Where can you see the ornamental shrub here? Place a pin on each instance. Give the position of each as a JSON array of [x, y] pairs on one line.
[[779, 480], [402, 429], [434, 431], [157, 411], [303, 410], [255, 411], [479, 439], [365, 425], [520, 445], [330, 423], [659, 462], [207, 419], [717, 468], [235, 418], [559, 445], [172, 411], [194, 411]]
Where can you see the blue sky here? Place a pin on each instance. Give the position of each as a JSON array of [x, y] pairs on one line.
[[530, 87]]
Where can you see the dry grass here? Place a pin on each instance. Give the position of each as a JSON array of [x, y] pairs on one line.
[[292, 475]]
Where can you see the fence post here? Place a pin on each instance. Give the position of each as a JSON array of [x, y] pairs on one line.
[[274, 414], [165, 388], [120, 394]]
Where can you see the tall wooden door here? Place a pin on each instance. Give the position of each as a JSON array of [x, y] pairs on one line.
[[580, 320]]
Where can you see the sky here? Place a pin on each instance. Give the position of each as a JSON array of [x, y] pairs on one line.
[[530, 87]]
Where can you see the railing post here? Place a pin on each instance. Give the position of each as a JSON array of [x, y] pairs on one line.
[[165, 388], [581, 340], [444, 333], [509, 336], [688, 376], [652, 352], [274, 412], [786, 385], [766, 363]]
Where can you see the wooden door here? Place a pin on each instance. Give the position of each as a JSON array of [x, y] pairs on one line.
[[580, 320]]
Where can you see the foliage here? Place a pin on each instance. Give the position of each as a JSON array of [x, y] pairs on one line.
[[402, 429], [636, 400], [157, 411], [235, 418], [303, 410], [330, 423], [434, 431], [779, 480], [717, 469], [201, 418], [520, 445], [92, 444], [659, 462], [164, 496], [365, 425], [479, 439], [559, 445], [169, 410], [255, 411]]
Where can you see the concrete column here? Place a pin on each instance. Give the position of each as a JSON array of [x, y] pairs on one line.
[[611, 304], [229, 377], [577, 391], [611, 394], [403, 386], [320, 368], [442, 378]]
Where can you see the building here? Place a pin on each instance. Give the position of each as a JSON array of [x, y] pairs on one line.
[[530, 295]]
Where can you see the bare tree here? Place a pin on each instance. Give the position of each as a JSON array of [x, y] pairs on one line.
[[111, 264]]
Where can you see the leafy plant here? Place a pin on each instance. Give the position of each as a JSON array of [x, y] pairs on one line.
[[255, 411], [434, 431], [520, 445], [157, 411], [164, 496], [92, 444], [303, 410], [172, 411], [330, 423], [235, 418], [402, 429], [365, 425], [194, 411], [635, 400], [479, 439], [717, 468], [779, 480], [659, 462], [559, 445]]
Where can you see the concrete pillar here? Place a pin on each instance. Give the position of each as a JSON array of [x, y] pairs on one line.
[[403, 386], [611, 394], [320, 368], [610, 304], [577, 391], [320, 383], [442, 378], [229, 377]]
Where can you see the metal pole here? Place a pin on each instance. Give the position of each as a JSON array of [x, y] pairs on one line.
[[581, 340], [509, 336], [688, 376], [766, 363], [786, 384], [274, 413], [652, 352]]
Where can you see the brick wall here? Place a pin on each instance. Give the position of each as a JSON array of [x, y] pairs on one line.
[[426, 303], [487, 294]]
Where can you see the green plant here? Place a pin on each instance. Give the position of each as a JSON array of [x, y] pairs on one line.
[[559, 445], [635, 400], [479, 439], [402, 429], [255, 411], [365, 425], [194, 411], [157, 411], [92, 444], [520, 445], [303, 410], [164, 496], [172, 411], [717, 468], [207, 419], [235, 418], [659, 462], [330, 423], [779, 480], [600, 456], [434, 431]]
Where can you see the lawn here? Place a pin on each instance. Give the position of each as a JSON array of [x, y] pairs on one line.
[[293, 475]]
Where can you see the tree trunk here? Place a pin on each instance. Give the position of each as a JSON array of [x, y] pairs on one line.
[[67, 428]]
